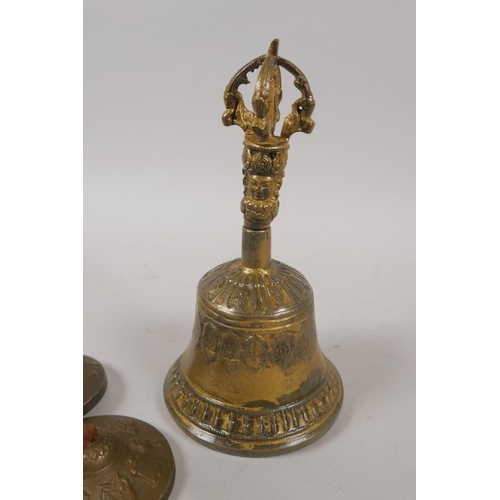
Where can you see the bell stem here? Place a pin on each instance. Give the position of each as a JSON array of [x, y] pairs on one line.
[[256, 248]]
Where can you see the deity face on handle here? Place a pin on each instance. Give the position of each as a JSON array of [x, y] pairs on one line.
[[260, 187], [260, 204], [263, 172]]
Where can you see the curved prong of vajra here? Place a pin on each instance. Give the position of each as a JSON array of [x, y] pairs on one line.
[[299, 120], [236, 112]]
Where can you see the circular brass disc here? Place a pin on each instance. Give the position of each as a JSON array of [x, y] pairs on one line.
[[131, 460], [94, 383]]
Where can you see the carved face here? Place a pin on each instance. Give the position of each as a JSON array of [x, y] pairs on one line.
[[260, 187]]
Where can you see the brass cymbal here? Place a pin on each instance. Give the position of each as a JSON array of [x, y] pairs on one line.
[[130, 460], [95, 383]]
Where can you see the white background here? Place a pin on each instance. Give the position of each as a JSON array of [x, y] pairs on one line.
[[162, 186]]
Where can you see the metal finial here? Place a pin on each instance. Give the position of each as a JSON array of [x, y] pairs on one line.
[[260, 123]]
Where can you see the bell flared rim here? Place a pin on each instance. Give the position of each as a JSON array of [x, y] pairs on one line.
[[253, 431]]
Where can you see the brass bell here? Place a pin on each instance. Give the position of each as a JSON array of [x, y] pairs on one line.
[[253, 380]]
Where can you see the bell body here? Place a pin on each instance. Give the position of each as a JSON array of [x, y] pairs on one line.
[[253, 380]]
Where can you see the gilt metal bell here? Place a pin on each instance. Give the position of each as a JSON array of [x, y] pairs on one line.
[[253, 380]]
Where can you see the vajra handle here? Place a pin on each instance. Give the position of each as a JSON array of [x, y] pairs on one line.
[[265, 154]]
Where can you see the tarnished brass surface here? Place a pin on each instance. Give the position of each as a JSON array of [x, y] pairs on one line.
[[130, 460], [94, 383], [253, 380]]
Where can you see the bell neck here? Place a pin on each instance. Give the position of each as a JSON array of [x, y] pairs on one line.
[[256, 248]]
